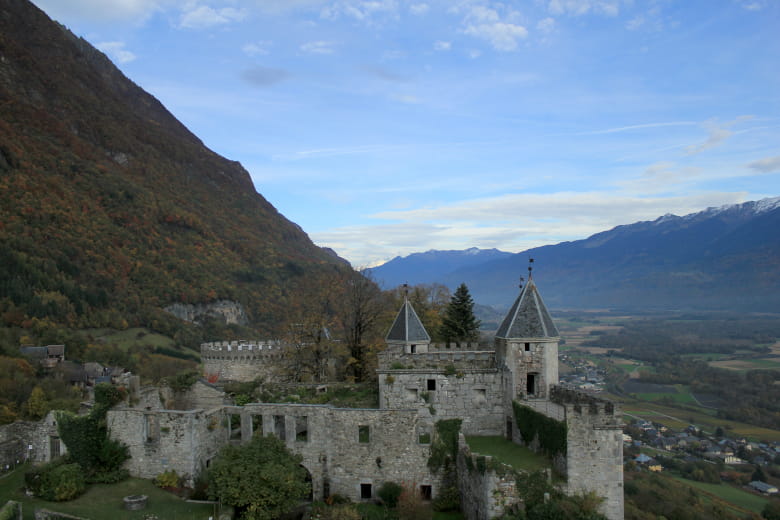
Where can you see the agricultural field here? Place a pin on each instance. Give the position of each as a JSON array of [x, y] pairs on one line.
[[128, 338]]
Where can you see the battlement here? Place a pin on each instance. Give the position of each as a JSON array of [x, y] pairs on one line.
[[604, 412], [240, 360], [438, 360], [240, 346]]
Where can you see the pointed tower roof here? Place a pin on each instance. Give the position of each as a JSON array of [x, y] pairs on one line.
[[528, 317], [407, 327]]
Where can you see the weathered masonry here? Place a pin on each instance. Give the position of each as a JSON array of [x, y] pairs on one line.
[[351, 452]]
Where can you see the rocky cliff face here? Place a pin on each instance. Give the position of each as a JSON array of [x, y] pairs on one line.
[[232, 313]]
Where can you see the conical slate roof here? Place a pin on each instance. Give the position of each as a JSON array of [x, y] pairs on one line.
[[528, 317], [407, 327]]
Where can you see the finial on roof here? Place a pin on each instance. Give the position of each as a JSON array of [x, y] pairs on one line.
[[530, 267], [522, 279], [406, 290]]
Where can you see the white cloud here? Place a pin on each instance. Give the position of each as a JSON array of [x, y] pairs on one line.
[[502, 33], [200, 17], [362, 10], [753, 5], [117, 51], [766, 165], [442, 46], [546, 25], [256, 48], [419, 9], [718, 133], [318, 47], [582, 7]]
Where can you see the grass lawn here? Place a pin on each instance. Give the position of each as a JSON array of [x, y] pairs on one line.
[[130, 337], [105, 501], [730, 494], [519, 457]]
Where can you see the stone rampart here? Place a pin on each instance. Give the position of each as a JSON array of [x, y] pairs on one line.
[[350, 452], [440, 359], [473, 395], [241, 360], [487, 488]]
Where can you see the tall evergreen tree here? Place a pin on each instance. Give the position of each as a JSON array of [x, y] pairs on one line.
[[459, 323]]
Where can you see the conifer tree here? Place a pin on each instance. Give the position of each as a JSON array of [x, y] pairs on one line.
[[459, 323]]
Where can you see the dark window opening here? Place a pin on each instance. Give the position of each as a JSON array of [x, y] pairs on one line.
[[279, 428], [432, 384], [235, 426], [152, 428], [424, 438], [527, 347], [426, 492], [412, 348], [302, 429], [257, 425], [509, 428], [364, 434], [325, 488], [365, 491], [530, 386]]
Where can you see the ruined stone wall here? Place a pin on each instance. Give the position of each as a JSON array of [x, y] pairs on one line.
[[30, 440], [161, 440], [484, 492], [474, 395], [346, 450], [594, 457], [241, 360], [457, 359], [200, 395]]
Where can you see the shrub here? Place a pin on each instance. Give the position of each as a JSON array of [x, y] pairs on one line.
[[167, 479], [389, 493], [448, 499], [56, 481], [411, 505]]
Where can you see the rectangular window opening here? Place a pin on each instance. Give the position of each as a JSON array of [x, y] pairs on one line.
[[152, 426], [257, 425], [426, 492], [302, 429], [527, 347], [235, 426], [432, 385], [365, 491], [412, 348], [54, 446], [424, 438], [279, 429], [364, 434]]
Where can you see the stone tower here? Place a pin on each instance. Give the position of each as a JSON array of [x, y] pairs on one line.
[[407, 335], [527, 345]]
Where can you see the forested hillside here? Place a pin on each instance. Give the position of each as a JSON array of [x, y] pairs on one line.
[[110, 209]]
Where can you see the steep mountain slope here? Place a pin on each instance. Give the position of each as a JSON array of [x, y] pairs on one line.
[[111, 209], [423, 267], [722, 258]]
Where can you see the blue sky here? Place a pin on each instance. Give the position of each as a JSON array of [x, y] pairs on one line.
[[386, 127]]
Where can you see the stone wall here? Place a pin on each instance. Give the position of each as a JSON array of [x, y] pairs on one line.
[[29, 440], [594, 457], [439, 359], [533, 364], [241, 360], [484, 493], [201, 395], [161, 440], [474, 395]]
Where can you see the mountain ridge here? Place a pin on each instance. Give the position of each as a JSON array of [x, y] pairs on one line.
[[718, 258]]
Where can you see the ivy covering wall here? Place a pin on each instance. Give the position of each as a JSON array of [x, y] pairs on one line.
[[550, 433]]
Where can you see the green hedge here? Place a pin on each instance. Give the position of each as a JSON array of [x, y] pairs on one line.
[[10, 511], [551, 433], [56, 481]]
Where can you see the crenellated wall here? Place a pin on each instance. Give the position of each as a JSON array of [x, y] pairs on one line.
[[241, 360]]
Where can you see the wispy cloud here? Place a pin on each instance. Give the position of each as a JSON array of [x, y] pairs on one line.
[[257, 48], [419, 9], [766, 165], [362, 10], [637, 127], [264, 76], [319, 47], [502, 32], [582, 7], [442, 45], [718, 133], [117, 51], [203, 16]]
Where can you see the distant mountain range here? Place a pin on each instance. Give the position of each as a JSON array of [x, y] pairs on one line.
[[725, 258]]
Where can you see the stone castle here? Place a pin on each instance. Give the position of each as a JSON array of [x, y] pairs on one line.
[[352, 452]]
